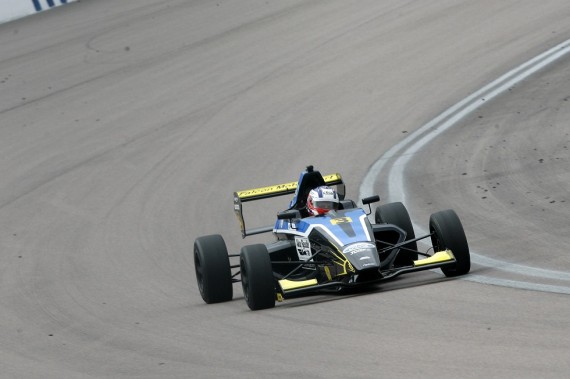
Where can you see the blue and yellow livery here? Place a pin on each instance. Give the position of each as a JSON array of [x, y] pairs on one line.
[[338, 250]]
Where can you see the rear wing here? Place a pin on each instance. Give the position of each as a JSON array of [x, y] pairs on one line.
[[270, 192]]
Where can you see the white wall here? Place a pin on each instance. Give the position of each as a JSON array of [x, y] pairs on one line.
[[13, 9]]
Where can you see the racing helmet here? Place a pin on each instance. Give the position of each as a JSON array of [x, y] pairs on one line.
[[321, 200]]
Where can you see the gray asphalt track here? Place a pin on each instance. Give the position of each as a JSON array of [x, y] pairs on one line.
[[126, 126]]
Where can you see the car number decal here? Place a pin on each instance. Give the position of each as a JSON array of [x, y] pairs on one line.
[[341, 220]]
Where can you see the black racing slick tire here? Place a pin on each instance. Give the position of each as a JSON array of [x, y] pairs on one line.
[[397, 214], [213, 272], [257, 277], [447, 233]]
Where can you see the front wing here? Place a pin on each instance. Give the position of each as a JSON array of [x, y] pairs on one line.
[[290, 288]]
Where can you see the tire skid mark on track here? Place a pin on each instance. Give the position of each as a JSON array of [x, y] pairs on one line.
[[396, 159]]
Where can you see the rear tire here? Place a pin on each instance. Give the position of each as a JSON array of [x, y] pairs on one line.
[[447, 233], [212, 266], [257, 277], [397, 214]]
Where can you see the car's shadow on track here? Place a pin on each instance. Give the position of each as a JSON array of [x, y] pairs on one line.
[[399, 283]]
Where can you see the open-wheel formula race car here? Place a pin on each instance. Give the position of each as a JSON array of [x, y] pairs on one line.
[[341, 249]]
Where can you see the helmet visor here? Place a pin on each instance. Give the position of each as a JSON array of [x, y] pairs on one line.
[[328, 205]]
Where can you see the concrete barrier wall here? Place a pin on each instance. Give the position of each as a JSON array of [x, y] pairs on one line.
[[13, 9]]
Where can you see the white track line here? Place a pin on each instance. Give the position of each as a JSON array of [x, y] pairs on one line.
[[400, 155]]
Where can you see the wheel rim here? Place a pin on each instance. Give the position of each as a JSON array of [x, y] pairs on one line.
[[437, 242]]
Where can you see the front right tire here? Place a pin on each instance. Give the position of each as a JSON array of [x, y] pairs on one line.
[[397, 214]]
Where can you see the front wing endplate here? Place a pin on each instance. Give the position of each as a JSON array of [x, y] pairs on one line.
[[439, 257], [287, 285]]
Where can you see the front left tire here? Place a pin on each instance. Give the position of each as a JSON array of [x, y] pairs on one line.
[[447, 233]]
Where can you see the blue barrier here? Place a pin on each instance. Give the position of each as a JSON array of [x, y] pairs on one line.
[[50, 4], [13, 9]]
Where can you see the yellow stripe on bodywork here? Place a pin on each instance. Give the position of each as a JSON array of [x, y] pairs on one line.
[[281, 188], [287, 285], [439, 257]]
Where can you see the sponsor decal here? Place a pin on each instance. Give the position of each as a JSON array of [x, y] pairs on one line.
[[326, 191], [303, 248], [358, 248], [268, 190]]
